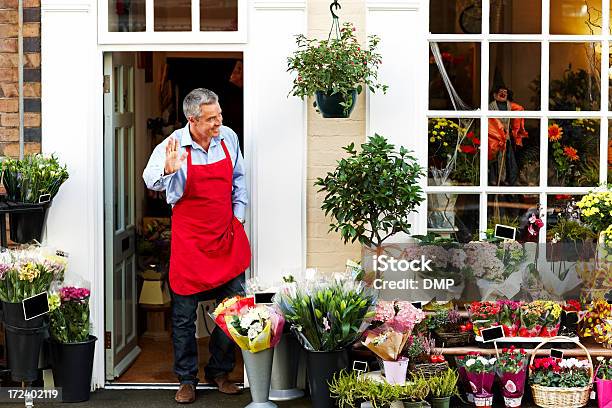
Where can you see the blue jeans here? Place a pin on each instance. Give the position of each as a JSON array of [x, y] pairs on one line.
[[221, 348]]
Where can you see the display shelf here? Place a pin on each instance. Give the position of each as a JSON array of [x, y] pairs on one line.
[[594, 349]]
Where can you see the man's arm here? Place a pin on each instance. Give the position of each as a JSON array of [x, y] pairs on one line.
[[153, 174], [239, 189]]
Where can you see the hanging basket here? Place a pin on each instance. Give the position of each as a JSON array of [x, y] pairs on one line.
[[329, 105], [556, 397], [450, 339]]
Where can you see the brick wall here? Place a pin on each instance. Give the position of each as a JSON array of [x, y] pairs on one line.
[[326, 137], [9, 82]]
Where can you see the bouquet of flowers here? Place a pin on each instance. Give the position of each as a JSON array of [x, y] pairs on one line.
[[531, 319], [595, 209], [484, 314], [480, 373], [397, 321], [509, 316], [554, 372], [69, 315], [551, 318], [327, 315], [28, 179], [594, 320], [419, 348], [253, 327], [512, 370], [28, 271]]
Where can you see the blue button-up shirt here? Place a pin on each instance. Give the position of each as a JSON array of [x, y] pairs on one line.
[[174, 184]]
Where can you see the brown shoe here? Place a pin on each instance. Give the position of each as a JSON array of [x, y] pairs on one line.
[[186, 394], [225, 385]]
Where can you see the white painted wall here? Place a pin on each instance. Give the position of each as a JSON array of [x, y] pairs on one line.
[[400, 114], [72, 128], [72, 83]]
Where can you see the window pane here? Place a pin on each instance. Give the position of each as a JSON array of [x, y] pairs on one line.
[[454, 151], [460, 63], [514, 152], [573, 152], [219, 15], [513, 210], [566, 235], [575, 17], [172, 15], [126, 15], [455, 17], [574, 76], [610, 152], [509, 68], [516, 17], [453, 215]]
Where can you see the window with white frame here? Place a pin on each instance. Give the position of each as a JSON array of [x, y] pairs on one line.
[[172, 20], [518, 111]]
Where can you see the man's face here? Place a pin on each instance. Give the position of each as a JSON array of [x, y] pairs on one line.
[[209, 123], [501, 95]]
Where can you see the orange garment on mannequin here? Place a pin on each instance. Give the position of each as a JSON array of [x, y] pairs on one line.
[[498, 134]]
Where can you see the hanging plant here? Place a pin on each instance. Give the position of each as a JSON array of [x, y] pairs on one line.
[[336, 68]]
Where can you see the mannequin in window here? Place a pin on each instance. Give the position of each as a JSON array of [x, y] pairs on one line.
[[505, 135]]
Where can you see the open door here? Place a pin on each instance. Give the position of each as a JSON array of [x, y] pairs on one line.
[[119, 213]]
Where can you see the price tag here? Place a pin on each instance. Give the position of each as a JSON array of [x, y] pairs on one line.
[[360, 366], [59, 252], [418, 305], [492, 334], [44, 198], [35, 306], [264, 298], [554, 353]]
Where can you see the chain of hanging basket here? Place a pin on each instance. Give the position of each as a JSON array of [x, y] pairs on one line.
[[335, 20]]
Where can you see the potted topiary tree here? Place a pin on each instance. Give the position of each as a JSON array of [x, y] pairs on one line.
[[371, 194], [335, 71]]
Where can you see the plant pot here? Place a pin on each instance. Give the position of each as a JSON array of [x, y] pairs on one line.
[[395, 371], [285, 370], [483, 401], [510, 402], [28, 226], [322, 366], [72, 365], [23, 339], [259, 370], [419, 404], [604, 393], [442, 402], [329, 105]]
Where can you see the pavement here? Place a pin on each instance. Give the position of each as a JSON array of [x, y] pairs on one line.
[[155, 398]]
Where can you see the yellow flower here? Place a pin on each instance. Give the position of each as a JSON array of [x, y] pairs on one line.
[[432, 139], [28, 272]]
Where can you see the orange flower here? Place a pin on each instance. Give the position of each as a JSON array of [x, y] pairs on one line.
[[571, 153], [554, 132]]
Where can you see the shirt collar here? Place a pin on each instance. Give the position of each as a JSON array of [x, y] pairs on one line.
[[186, 139]]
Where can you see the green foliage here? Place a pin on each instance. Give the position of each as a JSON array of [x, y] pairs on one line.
[[571, 230], [337, 65], [444, 384], [371, 193], [28, 179], [328, 317], [574, 91], [70, 322]]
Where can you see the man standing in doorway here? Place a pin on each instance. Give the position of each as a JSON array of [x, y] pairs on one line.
[[201, 169]]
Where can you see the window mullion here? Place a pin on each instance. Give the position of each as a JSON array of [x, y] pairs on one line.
[[605, 94], [195, 16], [484, 105], [149, 17]]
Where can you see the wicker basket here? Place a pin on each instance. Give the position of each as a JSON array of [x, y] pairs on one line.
[[447, 339], [428, 370], [557, 397]]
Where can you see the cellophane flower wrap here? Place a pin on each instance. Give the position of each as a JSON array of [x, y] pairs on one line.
[[594, 321], [464, 381], [69, 315], [551, 318], [253, 327], [603, 377], [484, 314], [480, 372], [397, 320], [531, 319], [509, 316], [554, 372], [512, 370], [27, 271], [327, 315]]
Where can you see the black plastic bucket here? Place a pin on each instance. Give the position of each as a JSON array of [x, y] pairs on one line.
[[28, 226], [322, 365], [72, 365], [329, 105]]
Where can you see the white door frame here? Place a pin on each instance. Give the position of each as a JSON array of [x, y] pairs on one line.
[[274, 140]]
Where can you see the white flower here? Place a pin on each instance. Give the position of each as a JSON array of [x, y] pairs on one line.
[[470, 362], [255, 330]]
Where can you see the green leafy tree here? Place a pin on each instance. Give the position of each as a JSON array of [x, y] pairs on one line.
[[371, 193]]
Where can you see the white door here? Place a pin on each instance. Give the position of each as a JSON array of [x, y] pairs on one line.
[[119, 229]]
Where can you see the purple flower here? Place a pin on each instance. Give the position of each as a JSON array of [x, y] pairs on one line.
[[70, 293], [4, 268]]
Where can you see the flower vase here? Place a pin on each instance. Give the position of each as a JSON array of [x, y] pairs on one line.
[[322, 366], [395, 371], [604, 393], [259, 371], [72, 365], [285, 370]]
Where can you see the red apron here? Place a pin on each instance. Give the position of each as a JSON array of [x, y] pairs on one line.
[[209, 246]]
